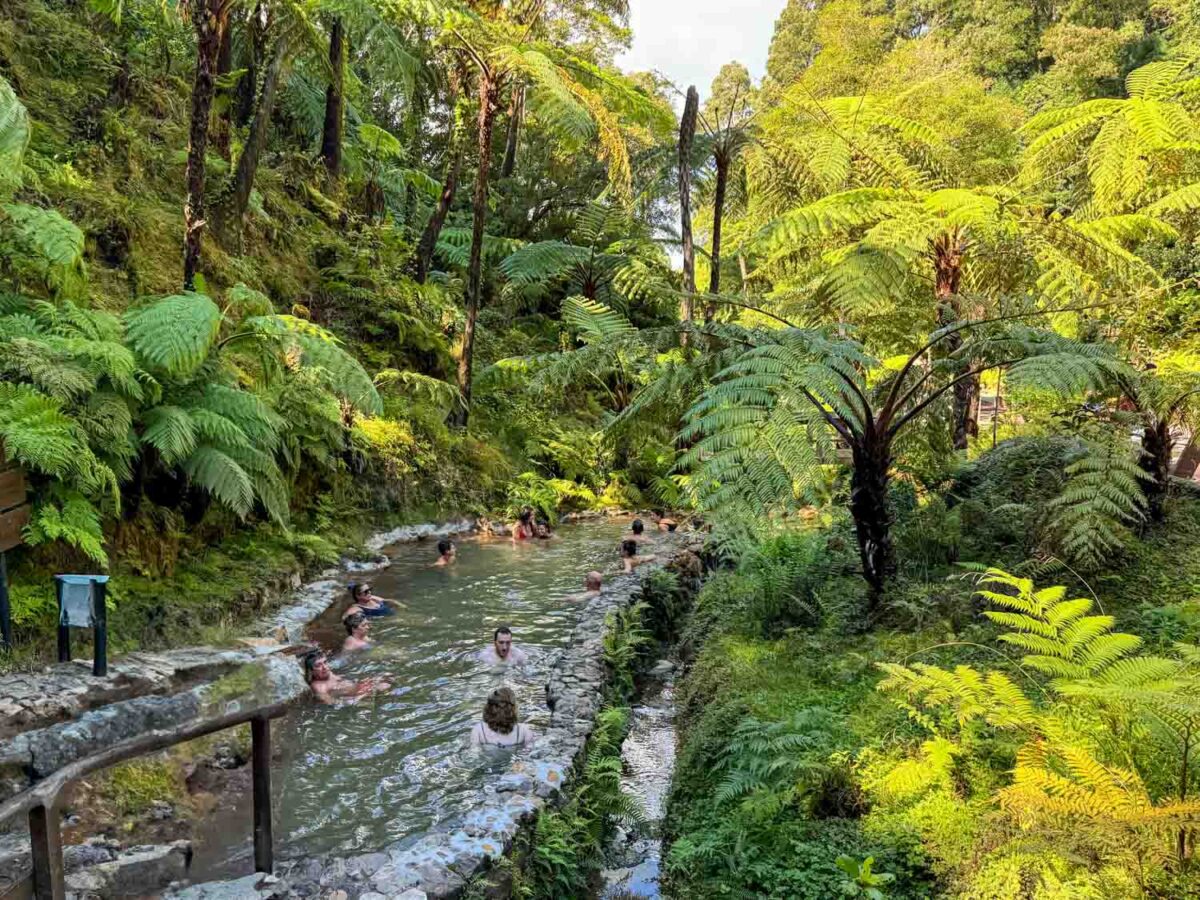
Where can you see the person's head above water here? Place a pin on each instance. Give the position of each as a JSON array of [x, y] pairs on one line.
[[359, 591], [446, 547], [502, 640], [316, 666], [629, 548], [638, 526], [526, 516], [542, 529], [356, 625], [593, 581], [500, 711]]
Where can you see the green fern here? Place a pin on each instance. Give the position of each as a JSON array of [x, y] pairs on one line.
[[174, 335], [1102, 500], [14, 139]]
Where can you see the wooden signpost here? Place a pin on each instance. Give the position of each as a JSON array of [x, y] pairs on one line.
[[14, 516]]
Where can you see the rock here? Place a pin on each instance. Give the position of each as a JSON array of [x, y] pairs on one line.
[[393, 879], [89, 853], [160, 810], [363, 867], [253, 887], [337, 895], [371, 895], [514, 782], [136, 872], [411, 894], [662, 668]]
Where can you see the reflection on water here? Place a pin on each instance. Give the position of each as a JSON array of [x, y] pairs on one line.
[[357, 777]]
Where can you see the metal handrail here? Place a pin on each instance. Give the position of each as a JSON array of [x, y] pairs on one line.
[[40, 801]]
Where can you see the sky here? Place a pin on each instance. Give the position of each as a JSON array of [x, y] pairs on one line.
[[689, 40]]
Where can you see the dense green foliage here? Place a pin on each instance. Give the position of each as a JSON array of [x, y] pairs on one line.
[[271, 273]]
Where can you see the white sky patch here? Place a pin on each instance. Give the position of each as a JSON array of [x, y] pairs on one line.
[[689, 40]]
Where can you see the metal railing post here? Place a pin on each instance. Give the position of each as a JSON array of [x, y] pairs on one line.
[[64, 633], [264, 850], [46, 844], [100, 633]]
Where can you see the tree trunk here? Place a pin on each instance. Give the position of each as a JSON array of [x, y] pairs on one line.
[[948, 252], [247, 89], [1189, 460], [223, 126], [335, 102], [871, 511], [687, 134], [1155, 461], [516, 112], [247, 165], [489, 100], [714, 276], [209, 17], [455, 150]]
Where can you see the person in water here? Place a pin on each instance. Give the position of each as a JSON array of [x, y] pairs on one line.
[[638, 529], [502, 652], [357, 628], [365, 602], [447, 552], [328, 687], [629, 549], [542, 530], [523, 529], [500, 727], [593, 583], [666, 523]]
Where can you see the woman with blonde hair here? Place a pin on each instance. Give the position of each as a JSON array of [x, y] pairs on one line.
[[500, 727]]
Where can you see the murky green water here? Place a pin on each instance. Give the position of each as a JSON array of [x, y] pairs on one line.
[[357, 777]]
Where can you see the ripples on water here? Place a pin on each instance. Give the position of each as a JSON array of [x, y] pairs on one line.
[[357, 777]]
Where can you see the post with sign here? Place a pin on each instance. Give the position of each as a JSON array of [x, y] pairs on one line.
[[82, 603], [14, 516]]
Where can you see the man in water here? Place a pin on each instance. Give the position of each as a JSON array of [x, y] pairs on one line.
[[502, 652], [328, 687], [447, 552], [638, 527], [593, 583], [357, 628]]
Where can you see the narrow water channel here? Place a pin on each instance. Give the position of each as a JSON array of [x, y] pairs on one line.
[[358, 777]]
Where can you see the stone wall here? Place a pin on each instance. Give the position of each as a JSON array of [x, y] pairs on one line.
[[440, 864]]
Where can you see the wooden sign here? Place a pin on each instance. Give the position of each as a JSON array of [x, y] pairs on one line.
[[11, 523], [12, 488], [14, 511]]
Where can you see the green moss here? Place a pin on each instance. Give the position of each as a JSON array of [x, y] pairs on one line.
[[133, 787]]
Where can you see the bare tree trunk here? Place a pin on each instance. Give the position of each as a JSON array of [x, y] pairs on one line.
[[687, 134], [489, 101], [516, 112], [247, 165], [948, 251], [247, 90], [223, 126], [1189, 460], [455, 150], [209, 17], [871, 511], [335, 102], [1155, 461], [714, 276]]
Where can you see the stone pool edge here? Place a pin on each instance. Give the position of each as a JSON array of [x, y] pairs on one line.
[[441, 864]]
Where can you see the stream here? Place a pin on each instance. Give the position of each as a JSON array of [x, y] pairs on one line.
[[354, 778], [633, 858]]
